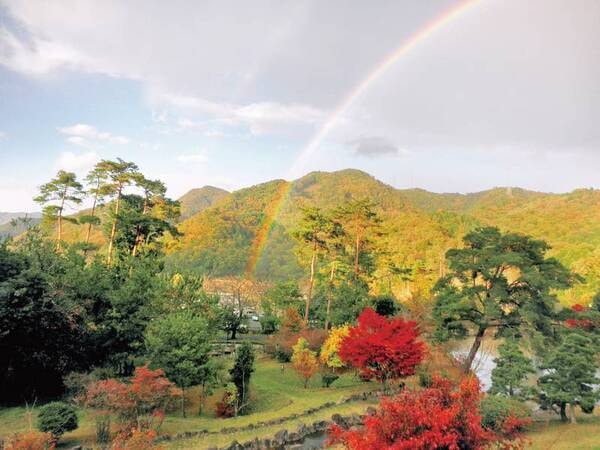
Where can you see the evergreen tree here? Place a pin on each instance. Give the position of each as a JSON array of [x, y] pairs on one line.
[[95, 180], [316, 231], [511, 371], [119, 175], [498, 281], [57, 194], [361, 222], [179, 343], [240, 374], [570, 376]]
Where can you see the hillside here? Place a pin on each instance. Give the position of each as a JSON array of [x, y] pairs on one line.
[[197, 200], [421, 226], [13, 224]]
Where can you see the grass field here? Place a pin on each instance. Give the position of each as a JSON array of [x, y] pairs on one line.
[[563, 436], [276, 393]]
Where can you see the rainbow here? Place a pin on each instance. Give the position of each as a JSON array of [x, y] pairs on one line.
[[282, 194]]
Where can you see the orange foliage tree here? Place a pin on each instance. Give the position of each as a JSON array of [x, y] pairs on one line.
[[304, 361], [139, 404], [32, 440]]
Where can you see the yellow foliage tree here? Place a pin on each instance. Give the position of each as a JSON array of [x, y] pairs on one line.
[[329, 351], [304, 361]]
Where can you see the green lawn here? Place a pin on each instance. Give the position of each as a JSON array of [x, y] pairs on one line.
[[563, 436], [276, 393]]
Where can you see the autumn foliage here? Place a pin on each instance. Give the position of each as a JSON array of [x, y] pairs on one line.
[[382, 348], [582, 318], [440, 417], [136, 439], [139, 404], [32, 440], [329, 351], [304, 361]]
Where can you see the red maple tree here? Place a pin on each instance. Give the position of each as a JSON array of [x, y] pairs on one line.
[[382, 349], [138, 404], [439, 417]]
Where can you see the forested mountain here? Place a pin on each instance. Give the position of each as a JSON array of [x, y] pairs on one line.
[[197, 200], [225, 236], [419, 226], [6, 217], [13, 224]]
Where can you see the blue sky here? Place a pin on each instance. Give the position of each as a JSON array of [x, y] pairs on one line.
[[230, 93]]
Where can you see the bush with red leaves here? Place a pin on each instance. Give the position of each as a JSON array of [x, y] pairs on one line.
[[382, 348], [138, 404], [440, 417], [136, 439], [32, 440]]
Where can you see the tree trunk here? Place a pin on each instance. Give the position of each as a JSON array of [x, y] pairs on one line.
[[183, 402], [563, 412], [138, 231], [572, 413], [311, 281], [202, 398], [89, 227], [474, 349], [356, 256], [113, 230], [329, 296], [59, 228]]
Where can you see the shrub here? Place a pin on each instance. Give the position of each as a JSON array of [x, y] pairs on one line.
[[31, 440], [280, 344], [226, 406], [136, 439], [440, 417], [425, 378], [57, 418], [328, 378], [496, 410]]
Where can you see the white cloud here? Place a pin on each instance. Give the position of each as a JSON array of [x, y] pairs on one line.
[[84, 135], [260, 117], [198, 157], [2, 135], [36, 57], [80, 163]]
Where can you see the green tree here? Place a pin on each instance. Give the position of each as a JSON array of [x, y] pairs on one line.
[[41, 338], [119, 175], [497, 281], [57, 418], [315, 231], [570, 376], [179, 343], [241, 372], [361, 223], [511, 371], [59, 193], [95, 180]]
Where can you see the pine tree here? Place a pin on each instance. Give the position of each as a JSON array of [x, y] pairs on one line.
[[501, 282], [511, 371], [57, 194], [316, 230], [119, 174], [570, 376], [360, 221]]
